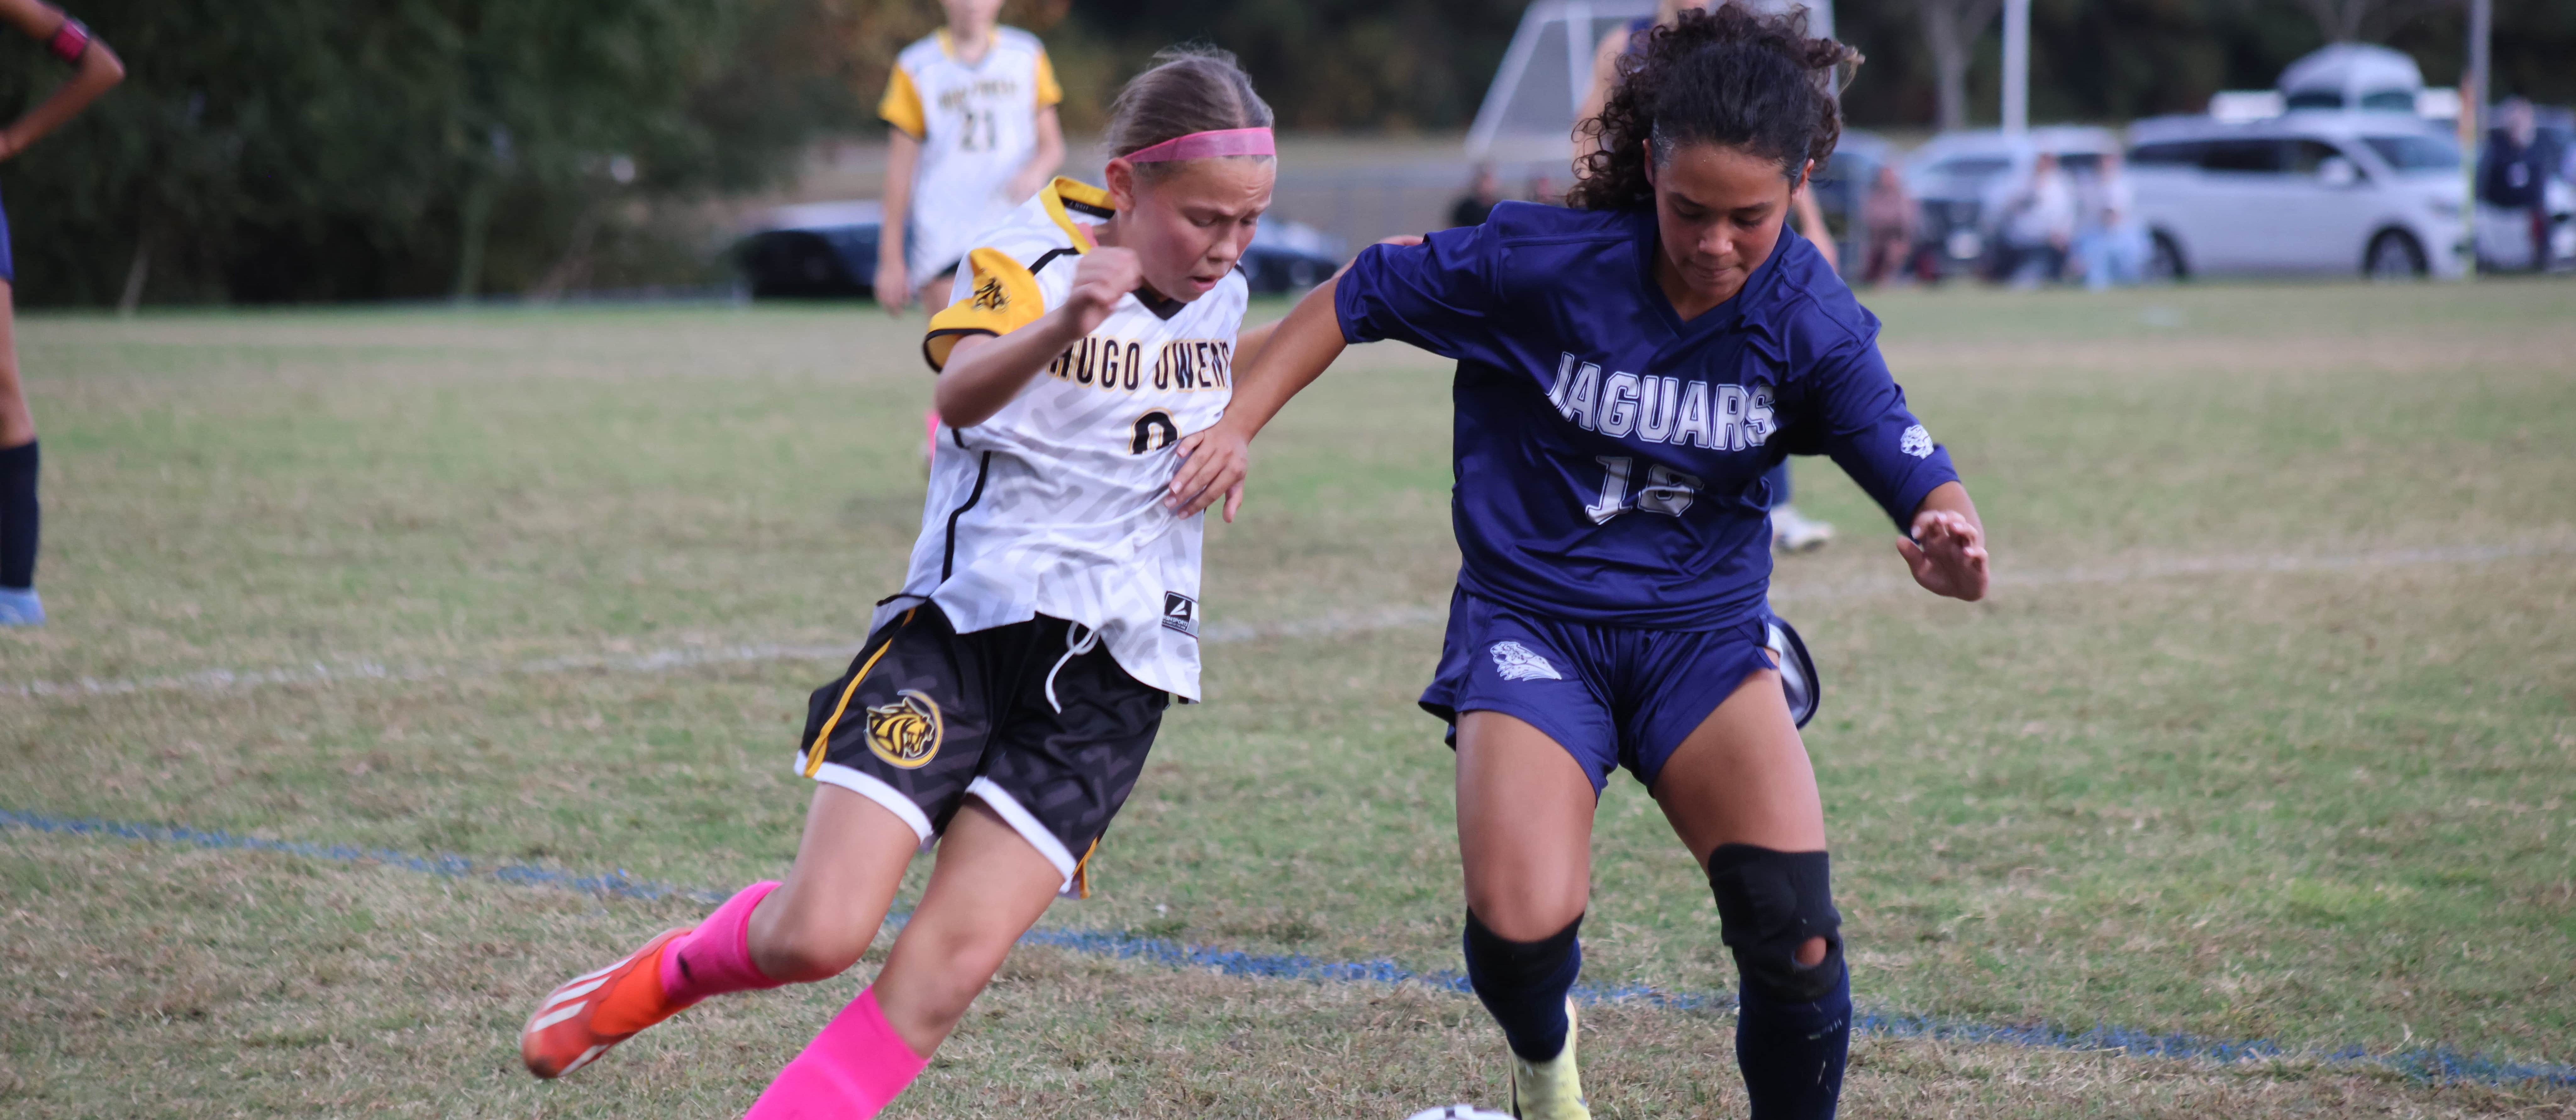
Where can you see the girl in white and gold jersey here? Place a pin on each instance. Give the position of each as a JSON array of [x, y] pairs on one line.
[[973, 113], [1008, 693]]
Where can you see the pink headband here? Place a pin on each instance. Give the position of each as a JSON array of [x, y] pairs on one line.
[[1202, 145]]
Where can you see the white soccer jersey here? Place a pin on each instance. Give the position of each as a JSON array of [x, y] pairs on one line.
[[977, 126], [1054, 505]]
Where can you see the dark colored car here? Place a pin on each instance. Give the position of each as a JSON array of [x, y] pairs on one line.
[[828, 250], [820, 251]]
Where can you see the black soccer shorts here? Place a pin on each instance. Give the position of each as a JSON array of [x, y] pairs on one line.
[[1034, 719]]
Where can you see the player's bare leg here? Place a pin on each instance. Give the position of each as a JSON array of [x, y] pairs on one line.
[[816, 925], [1525, 811], [1524, 826], [848, 867], [1743, 777], [1741, 793], [989, 887]]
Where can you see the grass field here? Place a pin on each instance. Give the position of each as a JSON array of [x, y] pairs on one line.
[[2268, 732]]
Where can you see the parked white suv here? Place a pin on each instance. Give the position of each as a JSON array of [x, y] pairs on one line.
[[2377, 193]]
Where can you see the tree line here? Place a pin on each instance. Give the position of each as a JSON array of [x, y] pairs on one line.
[[312, 150]]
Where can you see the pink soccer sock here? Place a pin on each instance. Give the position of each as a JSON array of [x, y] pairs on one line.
[[715, 958], [852, 1070]]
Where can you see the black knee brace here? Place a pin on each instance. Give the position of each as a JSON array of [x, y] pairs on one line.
[[1768, 904]]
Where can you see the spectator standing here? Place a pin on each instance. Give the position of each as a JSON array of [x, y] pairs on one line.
[[2513, 174], [2113, 246], [1888, 220], [1479, 199], [2039, 226]]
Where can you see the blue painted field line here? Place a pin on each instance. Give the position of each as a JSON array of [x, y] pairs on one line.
[[615, 884], [2428, 1063]]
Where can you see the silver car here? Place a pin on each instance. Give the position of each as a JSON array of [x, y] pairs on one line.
[[2341, 192]]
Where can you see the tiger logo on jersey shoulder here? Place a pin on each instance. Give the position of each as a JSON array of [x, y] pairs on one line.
[[905, 734], [991, 296]]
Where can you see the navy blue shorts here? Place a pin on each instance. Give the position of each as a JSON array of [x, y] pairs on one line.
[[8, 262], [1611, 696]]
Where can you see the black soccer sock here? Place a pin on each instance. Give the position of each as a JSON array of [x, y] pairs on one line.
[[18, 516], [1792, 1054], [1523, 984]]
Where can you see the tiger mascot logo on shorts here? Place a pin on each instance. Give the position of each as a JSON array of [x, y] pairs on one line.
[[905, 733]]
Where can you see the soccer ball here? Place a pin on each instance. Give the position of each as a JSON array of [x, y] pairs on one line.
[[1457, 1112]]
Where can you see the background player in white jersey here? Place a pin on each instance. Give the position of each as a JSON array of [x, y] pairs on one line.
[[973, 109], [1007, 695]]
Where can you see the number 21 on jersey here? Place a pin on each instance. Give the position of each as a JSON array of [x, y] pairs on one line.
[[1667, 491], [992, 136]]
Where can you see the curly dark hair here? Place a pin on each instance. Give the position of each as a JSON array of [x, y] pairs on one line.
[[1726, 76]]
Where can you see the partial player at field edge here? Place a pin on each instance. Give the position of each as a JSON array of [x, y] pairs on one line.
[[95, 70]]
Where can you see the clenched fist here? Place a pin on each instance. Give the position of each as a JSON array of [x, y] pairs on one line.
[[1105, 275]]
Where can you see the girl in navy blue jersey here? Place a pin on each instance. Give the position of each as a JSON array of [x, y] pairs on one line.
[[1628, 371]]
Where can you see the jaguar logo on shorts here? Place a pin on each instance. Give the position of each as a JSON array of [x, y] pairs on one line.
[[1917, 442], [1517, 663], [905, 733]]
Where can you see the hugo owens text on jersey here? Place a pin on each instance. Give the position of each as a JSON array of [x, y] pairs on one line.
[[1054, 505]]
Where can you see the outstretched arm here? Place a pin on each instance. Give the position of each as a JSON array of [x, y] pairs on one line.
[[98, 71], [1948, 547], [1294, 354]]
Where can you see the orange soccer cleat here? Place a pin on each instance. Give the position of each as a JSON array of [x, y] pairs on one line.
[[595, 1011]]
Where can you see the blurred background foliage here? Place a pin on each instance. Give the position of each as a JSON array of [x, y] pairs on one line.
[[312, 150], [324, 150]]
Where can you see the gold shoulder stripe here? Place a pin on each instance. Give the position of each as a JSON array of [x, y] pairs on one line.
[[1004, 298], [1075, 195]]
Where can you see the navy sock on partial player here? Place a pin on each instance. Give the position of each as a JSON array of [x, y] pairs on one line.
[[1793, 1033], [1792, 1054], [1523, 984], [18, 517]]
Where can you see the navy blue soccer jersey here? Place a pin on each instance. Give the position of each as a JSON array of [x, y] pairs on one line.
[[1609, 456]]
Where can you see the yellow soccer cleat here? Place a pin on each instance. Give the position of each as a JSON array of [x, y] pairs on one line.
[[1553, 1089]]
